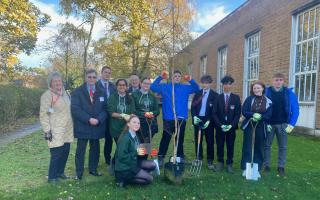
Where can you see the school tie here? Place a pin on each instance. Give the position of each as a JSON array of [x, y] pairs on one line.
[[91, 93], [226, 105], [106, 88]]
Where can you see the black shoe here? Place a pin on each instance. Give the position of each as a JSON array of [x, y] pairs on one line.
[[281, 171], [53, 180], [95, 173], [63, 176], [78, 177], [267, 169]]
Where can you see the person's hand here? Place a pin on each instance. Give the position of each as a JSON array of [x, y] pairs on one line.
[[289, 128], [227, 128], [141, 151], [124, 116], [256, 117], [93, 121], [206, 125], [165, 74], [48, 136], [224, 128], [269, 128], [187, 77], [196, 120], [149, 115]]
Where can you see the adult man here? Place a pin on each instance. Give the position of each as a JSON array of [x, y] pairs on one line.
[[89, 112], [283, 120], [181, 96], [201, 111], [134, 83], [108, 88], [226, 114]]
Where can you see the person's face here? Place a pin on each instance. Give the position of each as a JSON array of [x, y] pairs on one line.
[[134, 81], [146, 84], [106, 74], [227, 87], [134, 124], [257, 89], [91, 78], [122, 87], [277, 82], [56, 83], [206, 85], [177, 78]]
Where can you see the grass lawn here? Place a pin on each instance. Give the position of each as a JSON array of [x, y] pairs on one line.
[[24, 165]]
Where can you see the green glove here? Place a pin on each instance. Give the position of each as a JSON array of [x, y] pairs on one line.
[[269, 128], [224, 128], [256, 117], [196, 120], [289, 128], [228, 127], [206, 125]]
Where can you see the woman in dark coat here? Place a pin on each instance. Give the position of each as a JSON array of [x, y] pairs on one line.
[[256, 109], [127, 167]]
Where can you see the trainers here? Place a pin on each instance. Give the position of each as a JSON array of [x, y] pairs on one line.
[[281, 171], [212, 166], [244, 173], [219, 167], [267, 169], [230, 169]]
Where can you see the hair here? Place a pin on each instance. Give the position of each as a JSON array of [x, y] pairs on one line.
[[257, 83], [278, 75], [53, 75], [122, 79], [206, 79], [126, 128], [105, 67], [177, 72], [90, 71], [227, 80], [145, 78], [128, 97]]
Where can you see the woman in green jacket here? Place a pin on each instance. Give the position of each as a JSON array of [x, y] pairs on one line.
[[147, 109], [128, 168], [120, 107]]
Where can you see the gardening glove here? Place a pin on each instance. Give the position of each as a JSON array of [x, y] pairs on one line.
[[289, 128], [165, 74], [196, 120], [269, 128], [48, 136], [228, 127], [256, 117], [224, 128], [206, 125], [187, 77]]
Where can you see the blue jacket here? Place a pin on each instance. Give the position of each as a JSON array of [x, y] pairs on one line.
[[181, 96], [82, 110], [291, 104]]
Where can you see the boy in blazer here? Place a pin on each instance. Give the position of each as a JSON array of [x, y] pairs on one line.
[[226, 114], [201, 111]]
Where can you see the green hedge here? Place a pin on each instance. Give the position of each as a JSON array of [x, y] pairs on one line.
[[18, 102]]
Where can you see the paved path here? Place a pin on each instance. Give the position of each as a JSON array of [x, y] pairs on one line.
[[25, 130]]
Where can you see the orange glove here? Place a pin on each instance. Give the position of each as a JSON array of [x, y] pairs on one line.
[[165, 74], [148, 115], [154, 152], [187, 77]]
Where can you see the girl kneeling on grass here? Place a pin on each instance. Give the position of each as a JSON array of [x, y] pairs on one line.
[[128, 167]]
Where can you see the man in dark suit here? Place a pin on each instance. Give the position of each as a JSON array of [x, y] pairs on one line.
[[89, 113], [226, 114], [108, 88], [201, 110]]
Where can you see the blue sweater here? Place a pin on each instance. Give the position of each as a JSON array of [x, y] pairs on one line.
[[181, 96]]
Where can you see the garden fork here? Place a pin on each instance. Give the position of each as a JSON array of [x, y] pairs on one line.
[[196, 164]]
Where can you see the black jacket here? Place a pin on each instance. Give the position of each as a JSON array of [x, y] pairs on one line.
[[82, 109], [111, 88], [197, 101], [233, 114]]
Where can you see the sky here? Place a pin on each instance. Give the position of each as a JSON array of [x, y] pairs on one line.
[[209, 12]]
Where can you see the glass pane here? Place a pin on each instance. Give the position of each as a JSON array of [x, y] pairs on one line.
[[305, 25], [313, 86], [296, 85], [308, 87], [298, 57], [315, 55], [309, 56], [304, 54], [302, 88], [311, 23], [317, 21], [300, 21]]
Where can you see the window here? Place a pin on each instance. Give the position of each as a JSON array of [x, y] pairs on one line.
[[252, 50], [306, 46], [222, 66], [189, 68], [203, 65]]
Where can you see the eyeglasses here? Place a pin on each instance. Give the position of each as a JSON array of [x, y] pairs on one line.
[[93, 77]]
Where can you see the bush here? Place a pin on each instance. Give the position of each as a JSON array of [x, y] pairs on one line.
[[18, 102]]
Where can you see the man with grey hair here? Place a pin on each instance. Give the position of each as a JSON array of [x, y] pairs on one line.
[[134, 83]]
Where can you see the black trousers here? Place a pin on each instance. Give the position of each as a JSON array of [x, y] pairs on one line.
[[107, 146], [168, 131], [58, 160], [228, 138], [259, 142], [209, 134], [94, 154]]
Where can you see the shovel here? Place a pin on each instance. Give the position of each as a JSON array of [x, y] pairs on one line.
[[252, 172]]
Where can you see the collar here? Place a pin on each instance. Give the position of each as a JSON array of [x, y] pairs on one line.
[[143, 91], [280, 90], [132, 133], [93, 86], [228, 93], [122, 95], [207, 91]]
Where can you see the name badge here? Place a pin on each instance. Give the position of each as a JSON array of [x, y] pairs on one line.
[[101, 99], [50, 110], [210, 104], [232, 107]]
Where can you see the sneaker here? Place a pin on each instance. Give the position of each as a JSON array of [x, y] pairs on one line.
[[219, 167], [230, 169], [267, 169], [157, 169], [281, 171], [212, 166], [244, 173]]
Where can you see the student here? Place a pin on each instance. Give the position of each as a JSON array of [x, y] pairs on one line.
[[128, 167], [282, 122], [201, 111], [257, 108], [181, 96], [226, 116]]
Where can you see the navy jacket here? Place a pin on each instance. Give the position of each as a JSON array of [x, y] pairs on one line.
[[82, 110], [111, 88]]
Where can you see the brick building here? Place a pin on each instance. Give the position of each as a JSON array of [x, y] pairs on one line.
[[258, 39]]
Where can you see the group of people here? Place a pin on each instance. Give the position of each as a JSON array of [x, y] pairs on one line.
[[128, 115]]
